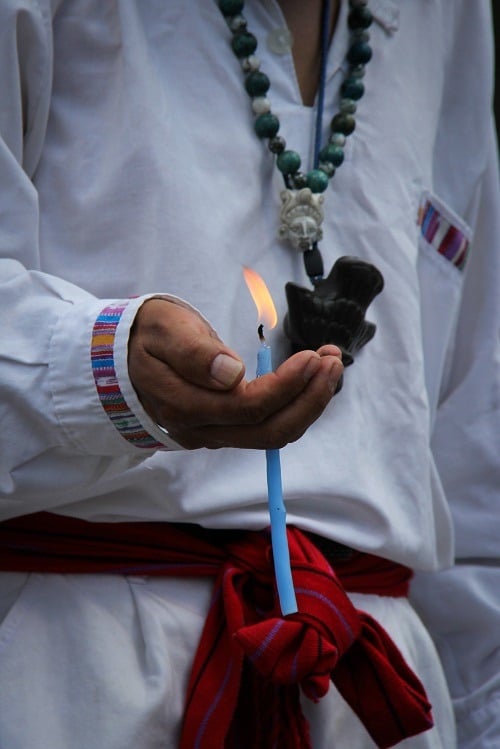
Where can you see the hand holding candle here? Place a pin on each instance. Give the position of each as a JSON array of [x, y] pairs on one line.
[[172, 355], [281, 555]]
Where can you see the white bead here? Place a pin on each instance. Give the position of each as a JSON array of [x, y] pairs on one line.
[[358, 71], [337, 139], [361, 35], [236, 23], [250, 63], [261, 105], [327, 168], [348, 106]]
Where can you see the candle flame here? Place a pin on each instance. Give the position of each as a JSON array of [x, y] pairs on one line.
[[263, 301]]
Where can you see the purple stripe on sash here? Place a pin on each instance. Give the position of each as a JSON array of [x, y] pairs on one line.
[[268, 639], [210, 711], [331, 605]]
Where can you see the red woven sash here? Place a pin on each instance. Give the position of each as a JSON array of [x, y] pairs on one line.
[[251, 662]]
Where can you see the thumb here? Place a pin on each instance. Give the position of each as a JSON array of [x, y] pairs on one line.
[[227, 369], [183, 340]]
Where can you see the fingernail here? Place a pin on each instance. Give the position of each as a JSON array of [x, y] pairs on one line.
[[333, 379], [311, 368], [225, 369]]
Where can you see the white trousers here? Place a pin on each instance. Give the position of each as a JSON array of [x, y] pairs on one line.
[[102, 662]]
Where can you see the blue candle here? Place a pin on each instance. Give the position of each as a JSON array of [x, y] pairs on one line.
[[277, 511]]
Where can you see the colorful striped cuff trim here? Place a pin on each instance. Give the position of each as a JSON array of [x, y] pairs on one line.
[[441, 234], [106, 381]]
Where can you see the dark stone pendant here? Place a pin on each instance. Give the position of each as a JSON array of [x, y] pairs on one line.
[[334, 311]]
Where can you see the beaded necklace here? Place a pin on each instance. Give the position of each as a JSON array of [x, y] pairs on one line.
[[334, 311], [302, 212]]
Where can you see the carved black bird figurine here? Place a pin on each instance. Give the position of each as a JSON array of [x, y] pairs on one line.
[[334, 311]]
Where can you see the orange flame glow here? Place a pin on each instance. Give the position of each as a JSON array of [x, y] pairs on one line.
[[263, 301]]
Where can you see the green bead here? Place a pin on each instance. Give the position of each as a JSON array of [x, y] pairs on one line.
[[343, 123], [317, 180], [257, 83], [244, 44], [267, 125], [332, 154], [288, 162], [360, 18], [352, 88], [359, 53], [231, 7]]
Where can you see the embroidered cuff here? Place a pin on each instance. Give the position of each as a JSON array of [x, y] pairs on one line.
[[107, 362]]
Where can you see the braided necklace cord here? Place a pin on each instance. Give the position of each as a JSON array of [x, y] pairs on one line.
[[305, 189]]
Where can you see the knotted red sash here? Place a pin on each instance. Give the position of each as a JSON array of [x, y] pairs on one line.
[[251, 662]]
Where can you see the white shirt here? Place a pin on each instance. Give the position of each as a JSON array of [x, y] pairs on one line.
[[129, 166]]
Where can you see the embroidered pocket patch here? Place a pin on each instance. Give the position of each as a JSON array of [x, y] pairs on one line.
[[444, 231]]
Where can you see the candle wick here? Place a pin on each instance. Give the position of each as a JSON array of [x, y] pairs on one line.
[[260, 331]]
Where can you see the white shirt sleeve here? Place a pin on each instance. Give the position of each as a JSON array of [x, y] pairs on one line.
[[53, 417]]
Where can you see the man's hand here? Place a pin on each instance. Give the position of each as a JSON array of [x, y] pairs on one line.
[[193, 385]]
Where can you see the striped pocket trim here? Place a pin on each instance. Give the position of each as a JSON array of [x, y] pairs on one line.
[[440, 232], [106, 381]]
